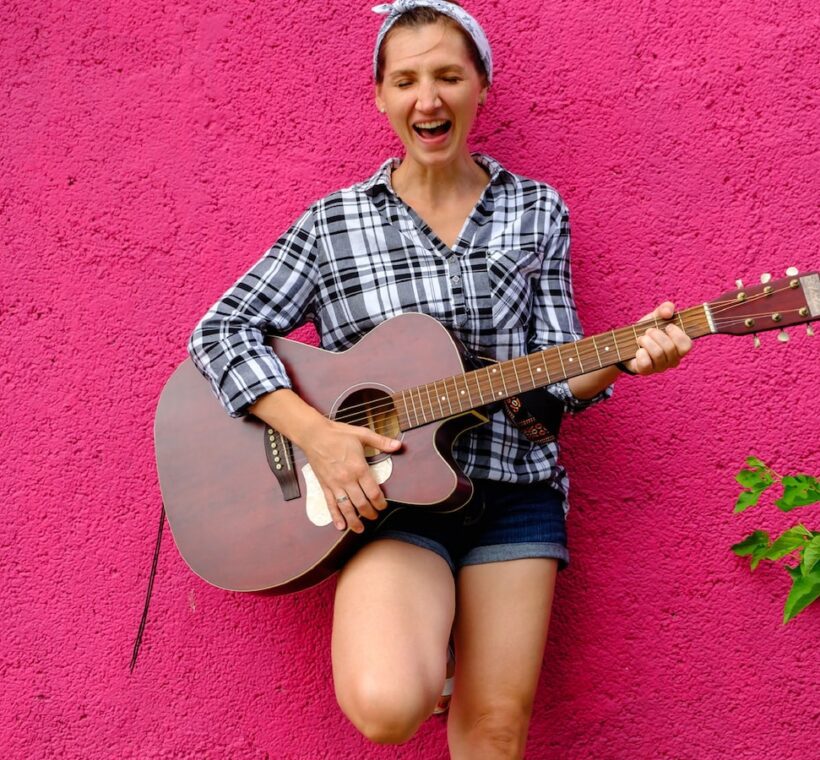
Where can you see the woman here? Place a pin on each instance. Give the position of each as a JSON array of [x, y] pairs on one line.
[[484, 251]]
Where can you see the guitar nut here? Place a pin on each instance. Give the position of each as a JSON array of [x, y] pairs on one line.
[[777, 317], [794, 283], [741, 296], [803, 311], [768, 290], [749, 323]]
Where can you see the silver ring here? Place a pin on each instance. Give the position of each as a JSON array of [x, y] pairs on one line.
[[342, 499]]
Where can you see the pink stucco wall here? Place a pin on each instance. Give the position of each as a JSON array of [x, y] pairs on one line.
[[150, 152]]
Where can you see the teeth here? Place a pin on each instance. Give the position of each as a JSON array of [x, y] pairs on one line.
[[431, 124]]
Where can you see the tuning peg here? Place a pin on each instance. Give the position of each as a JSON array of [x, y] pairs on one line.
[[757, 342], [764, 278], [739, 283], [783, 336], [809, 330], [792, 272]]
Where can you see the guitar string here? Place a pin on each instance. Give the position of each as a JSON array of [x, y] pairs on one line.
[[365, 410], [356, 411], [359, 412], [718, 307]]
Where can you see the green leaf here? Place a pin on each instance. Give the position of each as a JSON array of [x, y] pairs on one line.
[[749, 544], [755, 545], [798, 491], [792, 539], [754, 480], [805, 589], [811, 555], [746, 499], [756, 463]]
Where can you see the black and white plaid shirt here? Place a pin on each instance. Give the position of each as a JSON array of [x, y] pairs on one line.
[[361, 255]]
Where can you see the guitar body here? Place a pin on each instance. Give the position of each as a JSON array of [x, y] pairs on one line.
[[236, 522]]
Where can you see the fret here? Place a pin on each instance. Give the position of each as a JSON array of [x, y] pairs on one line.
[[515, 372], [415, 414], [498, 368], [617, 349], [465, 396], [429, 400], [439, 398], [455, 396], [597, 353], [546, 368], [635, 333], [529, 367], [421, 417], [478, 385], [447, 395], [680, 319], [561, 359], [579, 356]]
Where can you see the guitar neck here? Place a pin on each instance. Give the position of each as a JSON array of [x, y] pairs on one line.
[[458, 394]]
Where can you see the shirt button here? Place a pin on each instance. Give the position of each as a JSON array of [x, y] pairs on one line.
[[455, 279]]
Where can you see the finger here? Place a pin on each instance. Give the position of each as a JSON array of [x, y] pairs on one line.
[[348, 510], [364, 508], [656, 354], [335, 514], [683, 343], [643, 362], [671, 356], [372, 491], [376, 440]]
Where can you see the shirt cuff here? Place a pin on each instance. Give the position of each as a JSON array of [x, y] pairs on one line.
[[245, 381], [571, 402]]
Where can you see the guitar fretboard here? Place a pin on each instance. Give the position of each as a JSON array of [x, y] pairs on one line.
[[457, 394]]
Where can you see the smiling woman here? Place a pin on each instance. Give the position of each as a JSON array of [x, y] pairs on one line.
[[485, 252]]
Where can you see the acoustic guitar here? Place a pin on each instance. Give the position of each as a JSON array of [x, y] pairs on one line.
[[245, 509]]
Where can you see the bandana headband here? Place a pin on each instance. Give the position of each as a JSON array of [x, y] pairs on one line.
[[455, 12]]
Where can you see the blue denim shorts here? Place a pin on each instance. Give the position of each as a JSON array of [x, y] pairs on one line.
[[502, 521]]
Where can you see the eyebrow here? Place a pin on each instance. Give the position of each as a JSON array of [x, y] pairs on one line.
[[439, 70]]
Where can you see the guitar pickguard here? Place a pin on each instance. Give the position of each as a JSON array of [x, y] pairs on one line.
[[315, 503]]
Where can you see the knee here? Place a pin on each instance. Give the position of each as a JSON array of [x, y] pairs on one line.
[[499, 731], [384, 713]]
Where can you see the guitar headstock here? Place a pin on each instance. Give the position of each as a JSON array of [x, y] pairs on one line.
[[772, 305]]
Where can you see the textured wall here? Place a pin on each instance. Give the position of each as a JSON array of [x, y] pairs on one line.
[[150, 152]]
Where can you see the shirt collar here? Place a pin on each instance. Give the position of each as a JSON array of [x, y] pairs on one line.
[[382, 176]]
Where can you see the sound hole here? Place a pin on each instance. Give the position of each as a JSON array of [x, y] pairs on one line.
[[371, 408]]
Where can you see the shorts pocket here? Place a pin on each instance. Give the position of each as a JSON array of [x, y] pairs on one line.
[[510, 272]]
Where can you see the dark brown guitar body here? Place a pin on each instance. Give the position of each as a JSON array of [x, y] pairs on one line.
[[226, 508]]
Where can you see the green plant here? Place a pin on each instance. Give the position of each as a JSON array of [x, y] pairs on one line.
[[798, 491]]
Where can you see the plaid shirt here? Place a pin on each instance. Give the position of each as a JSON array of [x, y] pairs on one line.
[[361, 255]]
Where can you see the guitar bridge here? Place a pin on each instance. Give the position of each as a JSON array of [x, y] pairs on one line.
[[279, 452]]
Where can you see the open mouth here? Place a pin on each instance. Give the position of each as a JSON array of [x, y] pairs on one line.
[[430, 129]]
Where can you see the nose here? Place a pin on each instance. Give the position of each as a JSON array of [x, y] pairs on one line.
[[428, 99]]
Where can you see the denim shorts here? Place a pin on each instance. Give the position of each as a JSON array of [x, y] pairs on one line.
[[503, 521]]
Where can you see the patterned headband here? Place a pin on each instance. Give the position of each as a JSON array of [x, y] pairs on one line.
[[458, 14]]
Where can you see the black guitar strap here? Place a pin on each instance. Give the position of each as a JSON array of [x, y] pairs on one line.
[[138, 640]]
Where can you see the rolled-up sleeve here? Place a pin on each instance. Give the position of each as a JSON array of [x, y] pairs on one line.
[[554, 317], [273, 297]]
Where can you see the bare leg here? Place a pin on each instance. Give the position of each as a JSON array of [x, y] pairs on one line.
[[391, 622], [501, 630]]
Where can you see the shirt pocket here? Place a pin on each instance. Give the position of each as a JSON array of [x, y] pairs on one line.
[[510, 272]]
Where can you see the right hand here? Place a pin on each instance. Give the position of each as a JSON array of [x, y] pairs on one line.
[[335, 451]]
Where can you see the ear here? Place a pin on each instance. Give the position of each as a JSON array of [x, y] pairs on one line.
[[379, 99], [482, 95]]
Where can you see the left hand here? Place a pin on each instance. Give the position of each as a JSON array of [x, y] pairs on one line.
[[660, 349]]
